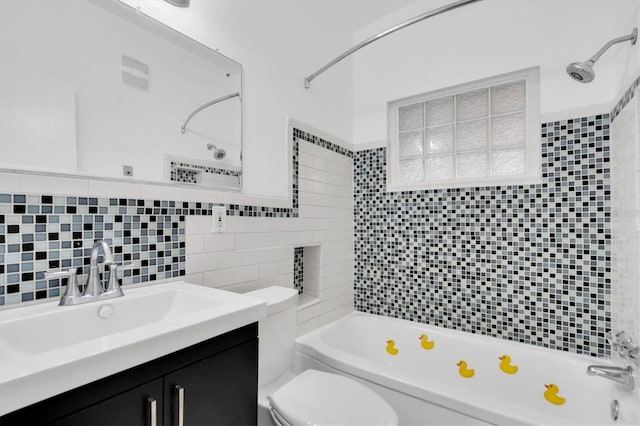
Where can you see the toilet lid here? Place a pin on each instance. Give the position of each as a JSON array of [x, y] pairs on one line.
[[317, 398]]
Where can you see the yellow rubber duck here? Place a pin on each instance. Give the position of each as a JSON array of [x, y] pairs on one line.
[[551, 394], [505, 365], [425, 343], [465, 372], [391, 350]]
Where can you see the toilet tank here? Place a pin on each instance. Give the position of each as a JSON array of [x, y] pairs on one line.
[[277, 332]]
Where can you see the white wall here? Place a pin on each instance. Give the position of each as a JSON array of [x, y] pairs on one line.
[[278, 43], [258, 252], [489, 38]]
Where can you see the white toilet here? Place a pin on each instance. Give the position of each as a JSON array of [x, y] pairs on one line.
[[312, 397]]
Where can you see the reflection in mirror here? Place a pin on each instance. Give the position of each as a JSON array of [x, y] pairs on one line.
[[95, 88]]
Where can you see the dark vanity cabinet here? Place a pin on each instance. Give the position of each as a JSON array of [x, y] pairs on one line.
[[132, 407], [211, 383]]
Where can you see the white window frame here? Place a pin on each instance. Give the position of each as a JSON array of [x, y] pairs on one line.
[[532, 175]]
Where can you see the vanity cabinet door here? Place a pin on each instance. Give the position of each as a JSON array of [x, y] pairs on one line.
[[219, 377], [134, 407], [219, 390]]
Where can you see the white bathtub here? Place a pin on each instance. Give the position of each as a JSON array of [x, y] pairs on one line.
[[425, 387]]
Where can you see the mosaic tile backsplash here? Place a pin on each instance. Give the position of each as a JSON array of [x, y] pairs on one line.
[[525, 263], [40, 233]]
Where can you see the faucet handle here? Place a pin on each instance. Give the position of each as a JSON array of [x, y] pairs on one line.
[[621, 337], [72, 293], [624, 346], [612, 341], [618, 340], [114, 289]]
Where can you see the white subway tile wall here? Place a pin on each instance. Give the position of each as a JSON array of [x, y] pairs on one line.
[[173, 240], [258, 252], [625, 225]]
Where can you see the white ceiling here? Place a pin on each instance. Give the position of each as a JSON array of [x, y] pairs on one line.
[[364, 12]]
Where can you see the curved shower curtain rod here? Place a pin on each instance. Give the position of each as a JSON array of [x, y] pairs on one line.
[[434, 12], [183, 129]]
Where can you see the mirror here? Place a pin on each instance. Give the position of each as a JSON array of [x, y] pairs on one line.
[[95, 88]]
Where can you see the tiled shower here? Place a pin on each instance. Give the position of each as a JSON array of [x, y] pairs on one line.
[[525, 263]]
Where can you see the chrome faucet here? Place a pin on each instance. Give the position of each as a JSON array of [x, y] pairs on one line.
[[624, 376], [623, 346], [94, 289], [94, 286]]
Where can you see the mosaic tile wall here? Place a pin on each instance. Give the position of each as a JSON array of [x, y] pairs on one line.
[[40, 233], [524, 263], [45, 233], [298, 269]]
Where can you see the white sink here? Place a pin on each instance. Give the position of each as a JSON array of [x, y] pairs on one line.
[[47, 349]]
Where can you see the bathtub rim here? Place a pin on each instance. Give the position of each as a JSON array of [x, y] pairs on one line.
[[447, 395]]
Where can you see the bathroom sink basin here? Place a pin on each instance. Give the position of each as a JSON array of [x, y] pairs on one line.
[[47, 349], [60, 327]]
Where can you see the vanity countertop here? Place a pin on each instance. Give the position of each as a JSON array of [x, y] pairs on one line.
[[46, 349]]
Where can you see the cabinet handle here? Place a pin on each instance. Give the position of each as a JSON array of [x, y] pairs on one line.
[[152, 414], [179, 404]]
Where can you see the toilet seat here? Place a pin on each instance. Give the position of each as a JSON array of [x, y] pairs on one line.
[[317, 398]]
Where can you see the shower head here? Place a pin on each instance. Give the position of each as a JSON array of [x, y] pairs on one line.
[[218, 153], [583, 71]]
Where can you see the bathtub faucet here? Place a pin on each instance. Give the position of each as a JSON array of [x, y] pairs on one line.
[[623, 345], [624, 376]]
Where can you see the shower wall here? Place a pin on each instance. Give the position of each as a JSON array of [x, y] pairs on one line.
[[554, 264], [525, 263], [625, 220]]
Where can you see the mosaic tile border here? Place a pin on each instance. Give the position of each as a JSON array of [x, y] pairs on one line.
[[322, 143], [528, 263], [184, 176], [179, 174], [298, 269], [625, 99], [285, 212]]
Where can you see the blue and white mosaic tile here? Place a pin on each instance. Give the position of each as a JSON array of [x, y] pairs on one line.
[[525, 263], [40, 233]]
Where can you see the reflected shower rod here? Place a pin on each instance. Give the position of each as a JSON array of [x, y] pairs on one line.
[[207, 105], [434, 12]]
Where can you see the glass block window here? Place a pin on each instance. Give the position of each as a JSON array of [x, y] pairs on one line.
[[482, 133]]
